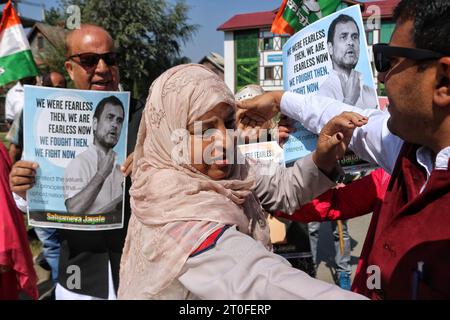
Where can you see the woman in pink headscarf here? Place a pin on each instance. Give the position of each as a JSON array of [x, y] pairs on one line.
[[197, 229], [16, 264]]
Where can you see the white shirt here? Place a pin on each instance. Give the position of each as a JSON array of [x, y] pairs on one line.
[[332, 88], [14, 101], [82, 169], [372, 142]]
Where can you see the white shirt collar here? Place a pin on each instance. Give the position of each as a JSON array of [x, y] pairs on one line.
[[442, 159], [425, 159], [18, 86]]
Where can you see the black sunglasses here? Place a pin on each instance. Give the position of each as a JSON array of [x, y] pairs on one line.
[[382, 53], [89, 61]]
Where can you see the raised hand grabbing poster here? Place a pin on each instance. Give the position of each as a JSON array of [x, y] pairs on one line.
[[328, 58], [78, 138]]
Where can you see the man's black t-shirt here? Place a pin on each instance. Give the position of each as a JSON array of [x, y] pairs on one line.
[[90, 251]]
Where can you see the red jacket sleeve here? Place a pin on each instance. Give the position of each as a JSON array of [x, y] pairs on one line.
[[14, 247], [354, 200]]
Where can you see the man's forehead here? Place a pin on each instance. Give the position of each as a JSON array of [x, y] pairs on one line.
[[112, 108], [403, 34], [91, 39], [343, 27]]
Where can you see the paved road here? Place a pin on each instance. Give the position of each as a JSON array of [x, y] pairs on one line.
[[357, 229]]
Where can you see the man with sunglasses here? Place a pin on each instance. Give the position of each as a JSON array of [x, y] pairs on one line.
[[404, 255], [89, 260]]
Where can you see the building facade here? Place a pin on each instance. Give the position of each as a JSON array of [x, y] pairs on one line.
[[47, 43], [253, 54]]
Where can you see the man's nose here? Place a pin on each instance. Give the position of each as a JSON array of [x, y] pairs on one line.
[[115, 124], [102, 67], [381, 76]]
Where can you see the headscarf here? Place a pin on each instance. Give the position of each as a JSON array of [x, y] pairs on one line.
[[174, 206]]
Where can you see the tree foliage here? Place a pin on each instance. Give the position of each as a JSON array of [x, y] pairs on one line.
[[53, 17], [148, 34], [54, 58]]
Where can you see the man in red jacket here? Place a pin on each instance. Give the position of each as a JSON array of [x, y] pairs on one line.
[[405, 253]]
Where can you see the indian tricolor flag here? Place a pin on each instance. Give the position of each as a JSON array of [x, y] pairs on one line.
[[16, 60]]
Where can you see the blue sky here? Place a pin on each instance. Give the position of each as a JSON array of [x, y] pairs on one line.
[[208, 14]]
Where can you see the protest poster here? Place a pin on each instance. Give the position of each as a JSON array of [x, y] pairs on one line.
[[265, 157], [329, 58], [78, 138]]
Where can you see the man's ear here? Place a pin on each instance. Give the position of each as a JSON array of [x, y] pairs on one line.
[[441, 95], [330, 48], [69, 68], [94, 125]]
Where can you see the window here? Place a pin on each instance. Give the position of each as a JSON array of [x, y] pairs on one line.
[[266, 40], [247, 58], [268, 73], [246, 44], [40, 42], [267, 44]]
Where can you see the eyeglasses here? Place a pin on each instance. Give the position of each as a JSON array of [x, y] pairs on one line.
[[89, 61], [382, 53]]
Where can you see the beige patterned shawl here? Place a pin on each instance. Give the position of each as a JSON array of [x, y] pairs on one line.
[[174, 206]]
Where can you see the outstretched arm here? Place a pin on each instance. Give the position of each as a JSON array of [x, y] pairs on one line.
[[290, 188], [222, 272], [373, 142], [356, 199]]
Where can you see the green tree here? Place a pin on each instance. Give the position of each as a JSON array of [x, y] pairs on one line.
[[148, 35], [54, 58], [54, 17]]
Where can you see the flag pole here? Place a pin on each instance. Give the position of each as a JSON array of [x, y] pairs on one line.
[[341, 236]]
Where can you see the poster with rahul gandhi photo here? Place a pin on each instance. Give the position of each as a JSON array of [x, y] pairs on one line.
[[329, 58], [78, 139]]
